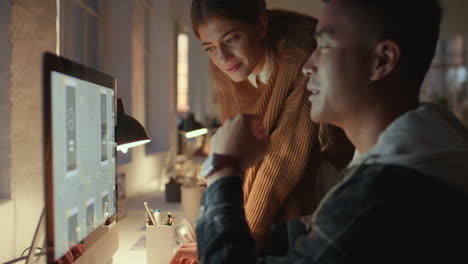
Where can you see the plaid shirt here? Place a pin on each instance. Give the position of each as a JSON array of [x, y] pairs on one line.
[[377, 214]]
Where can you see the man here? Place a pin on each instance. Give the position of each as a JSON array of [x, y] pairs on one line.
[[403, 199]]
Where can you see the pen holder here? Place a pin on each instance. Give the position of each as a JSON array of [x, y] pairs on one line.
[[160, 244]]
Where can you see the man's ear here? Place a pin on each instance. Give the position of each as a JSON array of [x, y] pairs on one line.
[[263, 24], [386, 57]]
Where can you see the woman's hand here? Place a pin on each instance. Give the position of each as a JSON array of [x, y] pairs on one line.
[[186, 254]]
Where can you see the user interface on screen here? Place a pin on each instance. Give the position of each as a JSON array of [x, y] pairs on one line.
[[83, 156]]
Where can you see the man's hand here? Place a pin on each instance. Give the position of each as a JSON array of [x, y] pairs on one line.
[[185, 254], [242, 137]]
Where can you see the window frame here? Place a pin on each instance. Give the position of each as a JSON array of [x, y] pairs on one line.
[[68, 36]]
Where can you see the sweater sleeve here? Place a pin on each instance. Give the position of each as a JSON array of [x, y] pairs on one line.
[[281, 170]]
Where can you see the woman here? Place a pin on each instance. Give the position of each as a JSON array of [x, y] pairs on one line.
[[256, 56]]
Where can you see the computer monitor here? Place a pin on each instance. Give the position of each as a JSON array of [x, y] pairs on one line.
[[80, 153]]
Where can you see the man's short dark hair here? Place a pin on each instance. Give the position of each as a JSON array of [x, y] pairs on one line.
[[413, 24]]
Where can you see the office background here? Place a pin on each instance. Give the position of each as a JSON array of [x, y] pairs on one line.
[[148, 46]]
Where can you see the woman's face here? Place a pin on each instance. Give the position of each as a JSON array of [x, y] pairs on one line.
[[235, 47]]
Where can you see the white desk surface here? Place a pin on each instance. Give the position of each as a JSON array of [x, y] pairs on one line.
[[132, 226]]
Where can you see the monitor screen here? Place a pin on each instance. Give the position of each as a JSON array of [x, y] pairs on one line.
[[80, 150]]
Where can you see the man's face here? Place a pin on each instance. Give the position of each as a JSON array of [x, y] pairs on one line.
[[339, 69]]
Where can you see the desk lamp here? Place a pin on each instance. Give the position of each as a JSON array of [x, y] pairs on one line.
[[130, 133], [191, 128]]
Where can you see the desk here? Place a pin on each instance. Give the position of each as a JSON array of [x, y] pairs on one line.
[[132, 227]]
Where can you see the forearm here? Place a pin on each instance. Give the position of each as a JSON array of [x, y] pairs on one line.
[[224, 237], [222, 232]]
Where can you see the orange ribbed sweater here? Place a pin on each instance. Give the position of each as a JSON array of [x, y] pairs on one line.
[[274, 189]]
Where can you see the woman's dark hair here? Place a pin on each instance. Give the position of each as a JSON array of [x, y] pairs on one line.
[[247, 11]]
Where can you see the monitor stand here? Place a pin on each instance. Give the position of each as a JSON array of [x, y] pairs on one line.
[[39, 235], [100, 245]]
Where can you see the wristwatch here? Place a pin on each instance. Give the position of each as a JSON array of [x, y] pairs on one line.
[[216, 162]]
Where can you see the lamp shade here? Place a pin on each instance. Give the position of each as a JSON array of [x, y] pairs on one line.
[[191, 128], [129, 132]]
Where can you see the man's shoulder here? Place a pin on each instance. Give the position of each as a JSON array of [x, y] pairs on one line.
[[389, 188], [392, 182], [407, 212]]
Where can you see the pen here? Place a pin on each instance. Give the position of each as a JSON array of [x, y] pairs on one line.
[[157, 216], [169, 220], [150, 214]]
